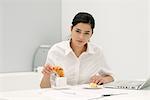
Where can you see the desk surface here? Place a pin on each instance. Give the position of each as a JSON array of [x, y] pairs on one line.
[[75, 93]]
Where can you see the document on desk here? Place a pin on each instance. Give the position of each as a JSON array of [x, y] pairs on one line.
[[64, 95], [80, 94]]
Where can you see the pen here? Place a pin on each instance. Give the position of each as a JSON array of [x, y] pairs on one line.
[[105, 95]]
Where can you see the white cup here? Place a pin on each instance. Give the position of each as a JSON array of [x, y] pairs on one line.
[[61, 81]]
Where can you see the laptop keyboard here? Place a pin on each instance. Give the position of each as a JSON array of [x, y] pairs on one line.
[[124, 84]]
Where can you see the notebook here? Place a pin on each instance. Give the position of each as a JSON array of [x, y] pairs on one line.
[[126, 84]]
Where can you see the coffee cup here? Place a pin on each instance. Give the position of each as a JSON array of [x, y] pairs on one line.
[[61, 81]]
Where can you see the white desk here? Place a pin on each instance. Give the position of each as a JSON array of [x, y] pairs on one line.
[[75, 93], [19, 81]]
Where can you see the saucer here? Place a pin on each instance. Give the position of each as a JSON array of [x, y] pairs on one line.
[[61, 88]]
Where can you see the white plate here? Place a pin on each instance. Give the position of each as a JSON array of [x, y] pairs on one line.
[[88, 87]]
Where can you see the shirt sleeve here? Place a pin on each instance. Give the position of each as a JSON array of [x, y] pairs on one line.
[[50, 55]]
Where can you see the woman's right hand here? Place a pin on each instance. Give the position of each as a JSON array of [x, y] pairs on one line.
[[47, 70]]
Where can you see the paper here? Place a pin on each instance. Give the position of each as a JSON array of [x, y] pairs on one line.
[[78, 93]]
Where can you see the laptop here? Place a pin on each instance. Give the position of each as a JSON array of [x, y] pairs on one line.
[[126, 84]]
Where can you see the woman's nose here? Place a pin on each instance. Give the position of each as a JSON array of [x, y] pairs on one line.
[[81, 36]]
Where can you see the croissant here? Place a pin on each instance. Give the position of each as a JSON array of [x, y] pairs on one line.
[[59, 71]]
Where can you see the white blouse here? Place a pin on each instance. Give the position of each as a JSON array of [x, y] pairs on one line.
[[78, 70]]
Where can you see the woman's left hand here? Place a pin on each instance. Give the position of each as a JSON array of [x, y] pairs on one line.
[[100, 79]]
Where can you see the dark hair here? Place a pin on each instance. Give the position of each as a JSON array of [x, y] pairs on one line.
[[83, 17]]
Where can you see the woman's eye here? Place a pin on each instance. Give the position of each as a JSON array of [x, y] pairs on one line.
[[78, 31], [86, 33]]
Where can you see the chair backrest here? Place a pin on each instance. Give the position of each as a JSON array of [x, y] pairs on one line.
[[40, 56]]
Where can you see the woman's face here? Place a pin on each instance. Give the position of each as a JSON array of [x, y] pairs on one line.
[[80, 34]]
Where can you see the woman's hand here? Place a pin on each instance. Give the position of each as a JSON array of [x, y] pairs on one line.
[[101, 79], [47, 70], [45, 82]]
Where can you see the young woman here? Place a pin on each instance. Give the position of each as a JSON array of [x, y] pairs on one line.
[[82, 61]]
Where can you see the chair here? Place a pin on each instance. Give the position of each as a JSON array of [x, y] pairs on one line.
[[40, 56]]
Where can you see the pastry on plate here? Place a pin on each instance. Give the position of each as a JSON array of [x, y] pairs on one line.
[[93, 85]]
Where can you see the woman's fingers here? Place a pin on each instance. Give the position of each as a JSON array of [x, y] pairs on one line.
[[45, 72], [98, 79], [100, 82], [47, 69], [93, 79]]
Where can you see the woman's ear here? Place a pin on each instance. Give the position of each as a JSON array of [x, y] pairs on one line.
[[71, 28]]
